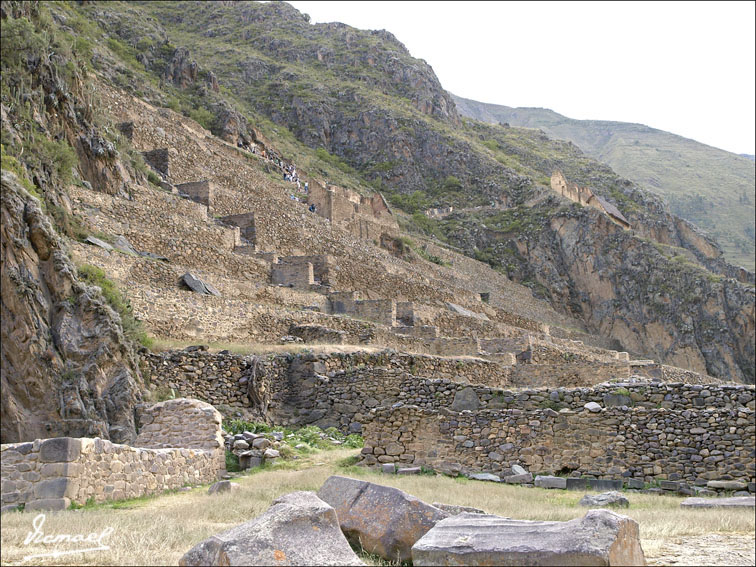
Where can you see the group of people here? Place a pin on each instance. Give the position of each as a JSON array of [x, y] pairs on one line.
[[289, 171]]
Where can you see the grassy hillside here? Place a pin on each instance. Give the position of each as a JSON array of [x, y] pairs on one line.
[[710, 187]]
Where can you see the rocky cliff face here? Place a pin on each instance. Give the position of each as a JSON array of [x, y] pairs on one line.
[[66, 367], [628, 288]]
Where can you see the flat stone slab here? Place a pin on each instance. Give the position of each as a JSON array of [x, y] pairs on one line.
[[298, 529], [550, 482], [601, 537], [459, 310], [727, 485], [97, 242], [593, 484], [485, 476], [734, 502]]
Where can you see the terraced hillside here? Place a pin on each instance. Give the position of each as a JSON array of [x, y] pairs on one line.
[[177, 187]]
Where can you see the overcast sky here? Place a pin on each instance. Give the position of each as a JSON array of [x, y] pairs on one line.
[[684, 67]]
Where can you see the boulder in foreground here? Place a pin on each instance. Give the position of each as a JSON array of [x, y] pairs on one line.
[[600, 537], [298, 529], [383, 520]]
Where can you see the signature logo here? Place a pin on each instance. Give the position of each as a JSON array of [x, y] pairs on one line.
[[89, 542]]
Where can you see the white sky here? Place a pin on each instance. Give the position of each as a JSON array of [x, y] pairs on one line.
[[683, 67]]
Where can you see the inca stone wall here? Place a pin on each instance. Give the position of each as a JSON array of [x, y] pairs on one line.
[[186, 447], [618, 443], [340, 388]]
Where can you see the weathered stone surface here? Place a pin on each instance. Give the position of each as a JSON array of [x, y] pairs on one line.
[[409, 470], [518, 478], [517, 469], [592, 407], [223, 486], [197, 285], [459, 310], [734, 502], [613, 499], [465, 399], [453, 509], [97, 242], [601, 537], [485, 476], [55, 325], [550, 482], [59, 449], [385, 521], [388, 468], [727, 485], [298, 529]]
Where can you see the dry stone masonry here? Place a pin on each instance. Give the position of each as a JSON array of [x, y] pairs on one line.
[[613, 443], [180, 443]]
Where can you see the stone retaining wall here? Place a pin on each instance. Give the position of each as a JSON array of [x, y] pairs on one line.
[[333, 389], [693, 446], [186, 447]]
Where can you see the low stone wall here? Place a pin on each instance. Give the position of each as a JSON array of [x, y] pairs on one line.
[[693, 446], [50, 474]]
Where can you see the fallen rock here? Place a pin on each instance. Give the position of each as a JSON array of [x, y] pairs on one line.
[[97, 242], [517, 469], [518, 478], [734, 502], [613, 499], [383, 520], [409, 470], [298, 529], [485, 476], [223, 486], [197, 285], [592, 407], [600, 537], [726, 485]]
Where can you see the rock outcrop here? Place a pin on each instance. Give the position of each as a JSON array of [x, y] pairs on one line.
[[67, 369]]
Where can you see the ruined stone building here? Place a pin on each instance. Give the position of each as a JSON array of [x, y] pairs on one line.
[[585, 197]]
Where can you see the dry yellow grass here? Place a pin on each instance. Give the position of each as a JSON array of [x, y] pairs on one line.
[[158, 531]]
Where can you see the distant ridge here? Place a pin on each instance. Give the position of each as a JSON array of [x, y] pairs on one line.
[[710, 187]]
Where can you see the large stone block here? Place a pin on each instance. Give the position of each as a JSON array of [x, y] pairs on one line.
[[383, 520], [734, 502], [298, 529], [59, 449], [550, 482], [601, 537]]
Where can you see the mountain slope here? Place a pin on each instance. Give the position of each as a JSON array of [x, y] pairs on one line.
[[353, 107], [710, 187]]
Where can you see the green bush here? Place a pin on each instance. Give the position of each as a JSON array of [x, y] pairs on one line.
[[132, 327]]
